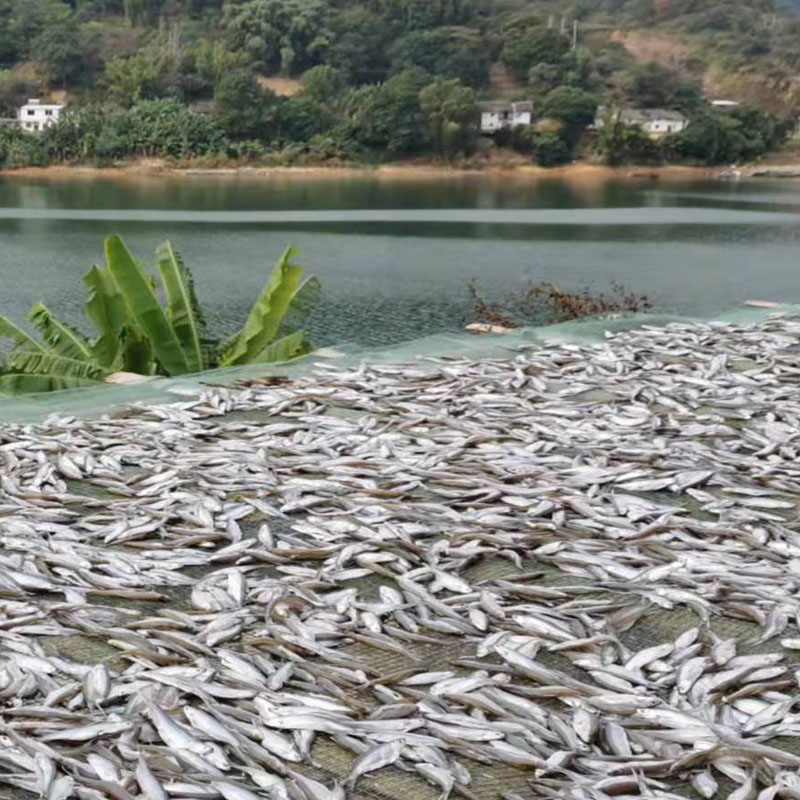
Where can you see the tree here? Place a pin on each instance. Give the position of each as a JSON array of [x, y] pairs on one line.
[[550, 150], [168, 129], [143, 75], [212, 61], [18, 148], [451, 115], [427, 14], [360, 41], [743, 135], [144, 12], [10, 45], [444, 52], [543, 78], [287, 35], [299, 119], [652, 85], [621, 142], [323, 84], [523, 49], [58, 50], [30, 17], [243, 108], [387, 117], [574, 108]]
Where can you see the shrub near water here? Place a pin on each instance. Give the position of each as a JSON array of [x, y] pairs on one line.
[[136, 333], [545, 303]]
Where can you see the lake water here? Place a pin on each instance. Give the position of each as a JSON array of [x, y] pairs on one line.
[[396, 255]]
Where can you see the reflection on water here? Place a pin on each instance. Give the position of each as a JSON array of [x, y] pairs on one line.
[[396, 256]]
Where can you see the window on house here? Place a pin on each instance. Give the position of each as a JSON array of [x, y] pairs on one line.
[[48, 112], [31, 112]]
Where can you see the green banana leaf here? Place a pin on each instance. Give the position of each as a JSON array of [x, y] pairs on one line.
[[183, 310], [59, 337], [142, 304], [37, 363], [305, 300], [136, 334], [8, 330], [28, 371], [105, 308], [15, 383], [136, 353], [266, 316], [284, 349]]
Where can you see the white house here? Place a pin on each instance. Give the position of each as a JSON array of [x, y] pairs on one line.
[[36, 115], [724, 105], [496, 116], [655, 122]]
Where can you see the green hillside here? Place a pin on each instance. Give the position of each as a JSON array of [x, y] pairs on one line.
[[346, 79]]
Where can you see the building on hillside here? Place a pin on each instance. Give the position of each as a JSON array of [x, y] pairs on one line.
[[497, 116], [724, 105], [655, 122], [36, 115]]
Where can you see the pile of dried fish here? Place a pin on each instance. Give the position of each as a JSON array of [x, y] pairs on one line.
[[438, 571]]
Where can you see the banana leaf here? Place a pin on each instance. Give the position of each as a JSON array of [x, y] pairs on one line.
[[106, 309], [8, 330], [284, 349], [59, 337], [14, 383], [305, 300], [183, 310], [136, 353], [267, 313], [142, 304], [24, 372], [37, 363]]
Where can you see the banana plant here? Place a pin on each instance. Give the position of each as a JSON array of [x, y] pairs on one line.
[[135, 332]]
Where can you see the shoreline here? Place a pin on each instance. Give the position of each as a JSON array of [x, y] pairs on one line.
[[392, 171]]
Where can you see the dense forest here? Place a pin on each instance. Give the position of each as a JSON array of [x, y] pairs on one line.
[[288, 81]]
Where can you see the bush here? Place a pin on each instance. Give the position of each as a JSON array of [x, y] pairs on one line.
[[545, 303], [527, 47], [18, 148], [332, 147], [443, 52], [743, 135], [550, 150], [622, 143]]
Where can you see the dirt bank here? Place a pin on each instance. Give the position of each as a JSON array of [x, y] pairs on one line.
[[398, 171]]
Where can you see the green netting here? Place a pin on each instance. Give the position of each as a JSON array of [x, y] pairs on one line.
[[113, 399]]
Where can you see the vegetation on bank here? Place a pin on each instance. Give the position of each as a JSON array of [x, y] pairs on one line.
[[138, 333], [387, 79], [544, 303]]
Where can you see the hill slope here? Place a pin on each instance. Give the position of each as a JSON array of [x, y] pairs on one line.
[[91, 46], [334, 78]]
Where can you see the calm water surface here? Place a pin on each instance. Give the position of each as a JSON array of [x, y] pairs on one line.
[[396, 256]]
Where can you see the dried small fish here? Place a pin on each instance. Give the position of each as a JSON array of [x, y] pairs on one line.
[[538, 528]]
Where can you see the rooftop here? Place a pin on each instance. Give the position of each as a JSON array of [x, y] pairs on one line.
[[35, 101], [499, 106], [652, 114]]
